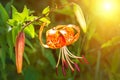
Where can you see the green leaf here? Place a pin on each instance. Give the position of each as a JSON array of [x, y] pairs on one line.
[[65, 11], [10, 44], [111, 42], [8, 6], [31, 73], [25, 12], [25, 15], [64, 2], [91, 30], [26, 58], [115, 61], [48, 54], [80, 17], [14, 11], [2, 57], [2, 30], [14, 34], [30, 31], [3, 16], [3, 50], [44, 19], [18, 19], [46, 10], [29, 44], [98, 65]]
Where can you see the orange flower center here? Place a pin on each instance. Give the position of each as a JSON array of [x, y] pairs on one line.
[[60, 36]]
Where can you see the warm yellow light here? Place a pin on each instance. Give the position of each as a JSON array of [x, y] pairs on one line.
[[105, 8]]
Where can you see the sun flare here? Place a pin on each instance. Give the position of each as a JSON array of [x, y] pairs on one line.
[[106, 8]]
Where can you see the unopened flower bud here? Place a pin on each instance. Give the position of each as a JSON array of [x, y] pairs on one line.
[[19, 50]]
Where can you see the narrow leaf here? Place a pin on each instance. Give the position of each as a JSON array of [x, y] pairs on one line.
[[3, 56], [8, 6], [80, 17], [14, 11], [26, 58], [111, 42], [115, 61], [3, 50], [3, 16], [14, 34], [25, 11], [30, 31], [48, 54], [10, 44], [46, 10], [44, 19], [29, 44], [65, 11]]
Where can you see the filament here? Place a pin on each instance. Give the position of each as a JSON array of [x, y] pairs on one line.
[[66, 55], [70, 54], [68, 60], [58, 58]]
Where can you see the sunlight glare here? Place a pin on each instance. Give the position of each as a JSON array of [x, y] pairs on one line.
[[106, 8]]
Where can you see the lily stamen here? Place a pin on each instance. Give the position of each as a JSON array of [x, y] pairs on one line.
[[60, 37]]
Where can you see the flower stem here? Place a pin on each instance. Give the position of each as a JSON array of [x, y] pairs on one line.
[[32, 22]]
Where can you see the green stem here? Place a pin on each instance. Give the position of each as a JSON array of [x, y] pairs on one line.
[[31, 22], [52, 10], [97, 65]]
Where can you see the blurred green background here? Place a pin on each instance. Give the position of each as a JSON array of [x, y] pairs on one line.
[[100, 44]]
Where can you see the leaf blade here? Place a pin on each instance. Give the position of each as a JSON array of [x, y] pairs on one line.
[[3, 15], [80, 17]]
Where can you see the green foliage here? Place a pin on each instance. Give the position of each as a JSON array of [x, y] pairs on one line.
[[80, 17], [48, 54], [30, 31], [46, 11], [19, 20], [46, 20], [26, 58], [3, 31], [9, 33], [3, 16], [64, 10], [113, 41], [10, 44], [31, 74], [39, 63]]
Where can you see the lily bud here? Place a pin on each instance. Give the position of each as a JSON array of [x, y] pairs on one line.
[[19, 50]]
